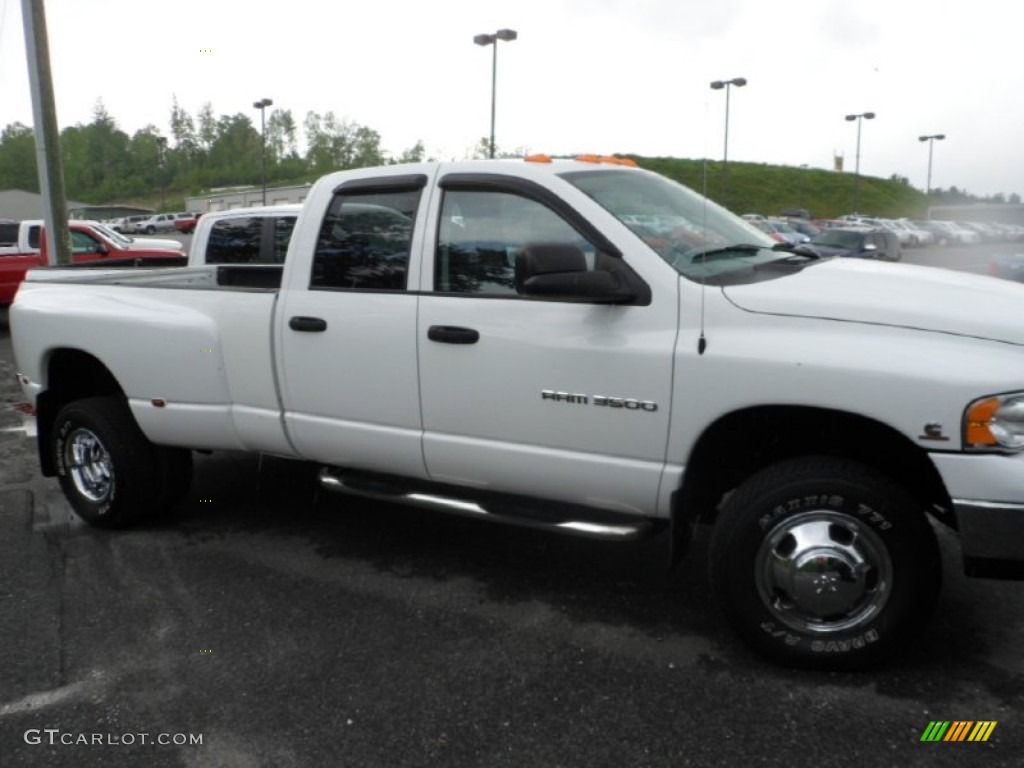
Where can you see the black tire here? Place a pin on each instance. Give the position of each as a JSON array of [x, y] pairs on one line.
[[150, 230], [108, 470], [824, 563]]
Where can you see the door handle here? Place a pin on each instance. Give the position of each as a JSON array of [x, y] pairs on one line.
[[453, 334], [309, 324]]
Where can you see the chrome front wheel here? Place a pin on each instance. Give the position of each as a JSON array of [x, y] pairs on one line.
[[89, 465], [821, 572]]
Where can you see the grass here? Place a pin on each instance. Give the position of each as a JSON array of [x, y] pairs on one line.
[[749, 188], [767, 189]]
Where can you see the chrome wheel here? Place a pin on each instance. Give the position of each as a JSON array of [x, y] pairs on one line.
[[89, 465], [823, 572]]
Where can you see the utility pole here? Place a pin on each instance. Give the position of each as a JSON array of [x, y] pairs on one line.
[[44, 114]]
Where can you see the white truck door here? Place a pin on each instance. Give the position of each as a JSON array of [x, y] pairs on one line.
[[558, 399], [347, 329]]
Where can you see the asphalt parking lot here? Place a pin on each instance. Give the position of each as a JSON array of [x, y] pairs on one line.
[[283, 627]]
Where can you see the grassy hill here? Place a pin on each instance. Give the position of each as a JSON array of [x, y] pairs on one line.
[[751, 187], [767, 189]]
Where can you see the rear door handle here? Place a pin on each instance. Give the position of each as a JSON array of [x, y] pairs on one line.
[[453, 334], [308, 324]]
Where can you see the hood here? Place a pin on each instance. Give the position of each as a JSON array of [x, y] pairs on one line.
[[899, 295], [151, 243]]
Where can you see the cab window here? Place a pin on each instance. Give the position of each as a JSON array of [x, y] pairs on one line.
[[482, 232], [234, 241], [82, 242]]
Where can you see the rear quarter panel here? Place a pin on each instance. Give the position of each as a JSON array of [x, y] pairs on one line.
[[205, 353]]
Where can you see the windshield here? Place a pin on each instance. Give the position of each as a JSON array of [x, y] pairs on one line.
[[113, 234], [691, 233]]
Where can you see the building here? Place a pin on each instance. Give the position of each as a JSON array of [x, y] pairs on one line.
[[19, 205], [229, 198]]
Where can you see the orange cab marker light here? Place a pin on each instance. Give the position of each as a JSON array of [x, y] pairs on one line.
[[978, 419], [618, 161], [588, 158], [538, 158]]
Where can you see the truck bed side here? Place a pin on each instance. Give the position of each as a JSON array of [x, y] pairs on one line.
[[211, 385]]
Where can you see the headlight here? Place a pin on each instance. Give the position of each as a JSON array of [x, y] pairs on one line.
[[995, 423]]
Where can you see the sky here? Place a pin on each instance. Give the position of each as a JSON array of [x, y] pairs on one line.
[[595, 76]]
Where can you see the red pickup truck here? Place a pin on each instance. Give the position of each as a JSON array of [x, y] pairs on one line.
[[23, 247]]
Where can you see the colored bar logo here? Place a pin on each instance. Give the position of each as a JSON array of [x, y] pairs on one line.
[[958, 730]]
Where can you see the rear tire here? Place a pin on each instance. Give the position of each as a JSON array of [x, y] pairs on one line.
[[108, 470], [824, 563]]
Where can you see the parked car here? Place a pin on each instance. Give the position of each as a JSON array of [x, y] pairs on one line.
[[186, 222], [918, 235], [960, 234], [1009, 266], [131, 224], [781, 231], [8, 233], [160, 222], [803, 226], [92, 244], [135, 243], [860, 242], [940, 234]]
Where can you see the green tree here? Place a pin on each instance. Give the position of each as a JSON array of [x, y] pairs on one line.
[[415, 154], [281, 130], [97, 158], [183, 130], [333, 144], [207, 133], [18, 158], [149, 162], [235, 153]]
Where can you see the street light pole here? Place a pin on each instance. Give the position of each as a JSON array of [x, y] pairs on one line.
[[718, 85], [508, 35], [262, 105], [161, 143], [859, 118], [931, 143]]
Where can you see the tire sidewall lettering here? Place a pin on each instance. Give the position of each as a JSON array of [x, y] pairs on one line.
[[836, 645], [855, 508]]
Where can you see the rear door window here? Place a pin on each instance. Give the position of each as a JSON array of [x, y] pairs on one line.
[[365, 241]]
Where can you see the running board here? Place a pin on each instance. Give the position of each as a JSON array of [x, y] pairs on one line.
[[492, 507]]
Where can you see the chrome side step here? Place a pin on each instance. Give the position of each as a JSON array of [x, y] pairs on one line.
[[566, 519]]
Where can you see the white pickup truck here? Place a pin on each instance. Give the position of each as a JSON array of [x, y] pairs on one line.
[[578, 346]]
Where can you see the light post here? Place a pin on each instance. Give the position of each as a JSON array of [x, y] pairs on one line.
[[718, 85], [262, 105], [161, 144], [931, 143], [859, 118], [508, 35], [803, 183]]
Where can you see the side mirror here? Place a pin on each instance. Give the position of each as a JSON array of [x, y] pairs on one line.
[[559, 271]]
